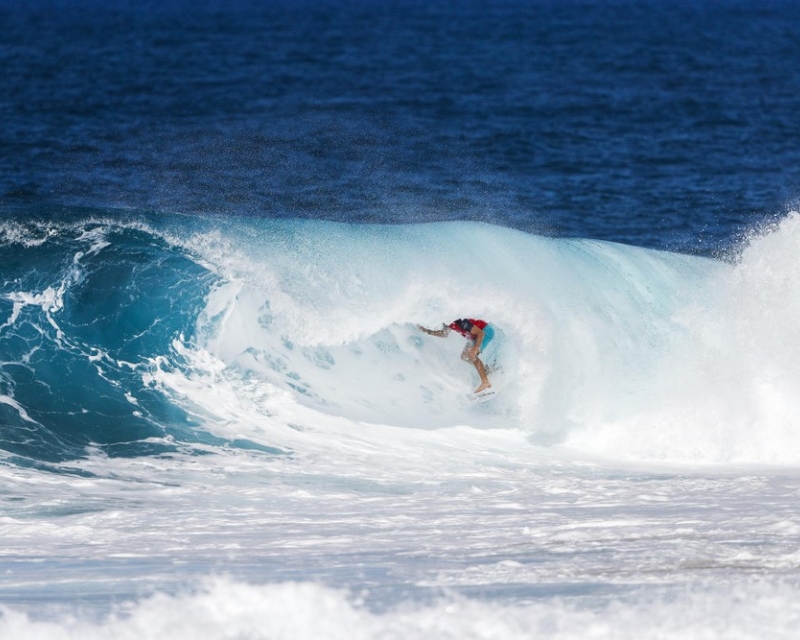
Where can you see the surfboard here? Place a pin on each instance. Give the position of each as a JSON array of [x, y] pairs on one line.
[[483, 396]]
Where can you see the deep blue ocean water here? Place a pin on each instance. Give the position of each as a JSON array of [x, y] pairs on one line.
[[220, 227], [659, 124]]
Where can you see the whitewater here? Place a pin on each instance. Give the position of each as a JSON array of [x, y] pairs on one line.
[[232, 428]]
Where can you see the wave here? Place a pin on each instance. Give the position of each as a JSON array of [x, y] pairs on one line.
[[134, 334], [224, 608]]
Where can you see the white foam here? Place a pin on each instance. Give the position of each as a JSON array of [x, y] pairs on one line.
[[9, 401], [726, 388], [225, 609]]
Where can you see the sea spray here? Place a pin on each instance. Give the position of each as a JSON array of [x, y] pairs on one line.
[[727, 392]]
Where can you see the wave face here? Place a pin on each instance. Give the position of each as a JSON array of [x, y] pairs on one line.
[[84, 309], [113, 332]]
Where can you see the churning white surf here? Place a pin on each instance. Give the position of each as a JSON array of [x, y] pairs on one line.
[[223, 609]]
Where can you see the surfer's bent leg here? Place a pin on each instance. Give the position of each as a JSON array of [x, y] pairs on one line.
[[466, 357], [485, 384]]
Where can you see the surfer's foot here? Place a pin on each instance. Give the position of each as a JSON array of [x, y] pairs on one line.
[[483, 387]]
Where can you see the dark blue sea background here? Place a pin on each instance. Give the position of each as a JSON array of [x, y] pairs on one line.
[[665, 124]]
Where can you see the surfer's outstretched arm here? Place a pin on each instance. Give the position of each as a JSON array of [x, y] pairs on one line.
[[439, 333]]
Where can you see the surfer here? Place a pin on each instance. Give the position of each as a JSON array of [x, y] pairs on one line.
[[479, 333]]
